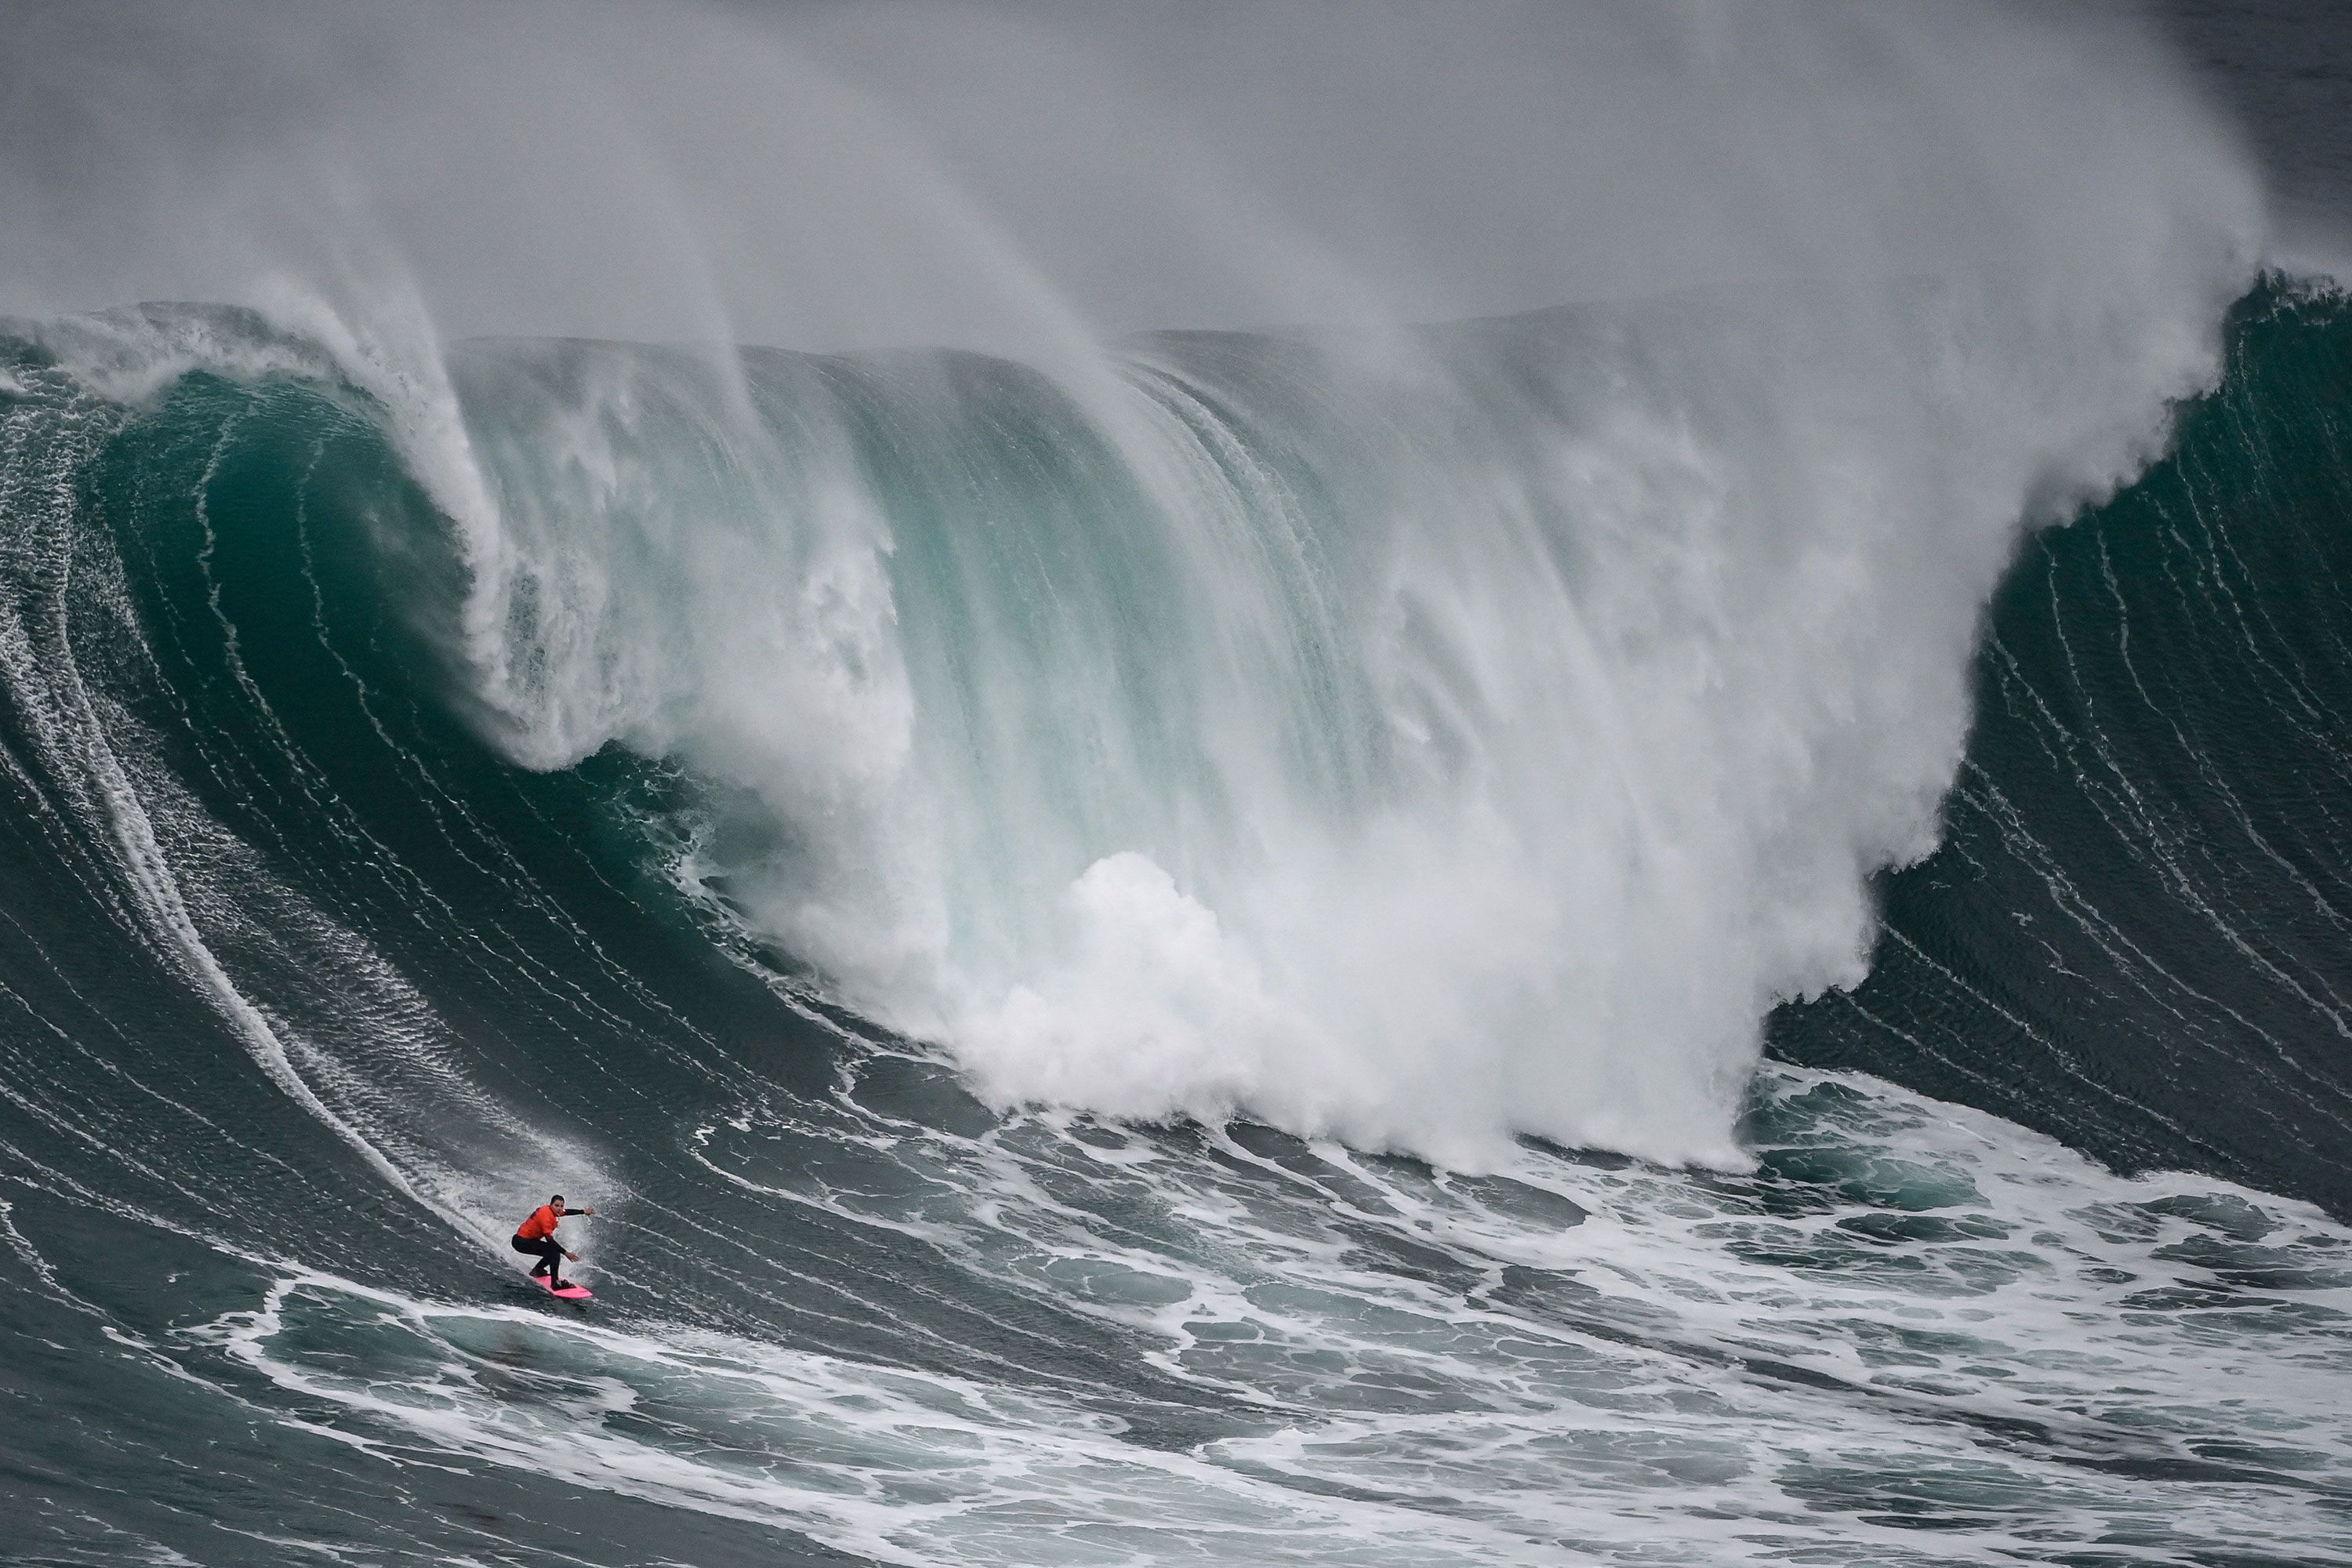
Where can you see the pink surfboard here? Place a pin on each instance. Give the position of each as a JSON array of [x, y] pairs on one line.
[[570, 1292]]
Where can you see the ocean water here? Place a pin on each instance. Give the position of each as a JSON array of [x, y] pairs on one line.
[[1700, 926]]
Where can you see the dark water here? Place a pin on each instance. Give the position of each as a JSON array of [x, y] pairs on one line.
[[2133, 937]]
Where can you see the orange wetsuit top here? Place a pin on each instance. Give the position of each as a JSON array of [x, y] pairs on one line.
[[542, 1222]]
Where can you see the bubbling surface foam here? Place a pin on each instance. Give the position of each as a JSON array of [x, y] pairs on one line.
[[1911, 1319]]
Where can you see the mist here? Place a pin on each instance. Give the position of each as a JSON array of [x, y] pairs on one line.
[[829, 176]]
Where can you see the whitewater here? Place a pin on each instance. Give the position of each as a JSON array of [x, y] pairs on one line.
[[1585, 811]]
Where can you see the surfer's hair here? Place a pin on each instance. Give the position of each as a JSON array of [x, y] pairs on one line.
[[556, 1199]]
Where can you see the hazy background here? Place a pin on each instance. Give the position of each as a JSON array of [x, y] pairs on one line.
[[823, 174], [2284, 68]]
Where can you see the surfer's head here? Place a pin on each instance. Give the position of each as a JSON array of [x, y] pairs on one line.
[[556, 1203]]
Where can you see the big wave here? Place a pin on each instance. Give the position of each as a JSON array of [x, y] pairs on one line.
[[1418, 735]]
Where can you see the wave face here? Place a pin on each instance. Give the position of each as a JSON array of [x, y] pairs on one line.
[[2132, 936], [367, 869]]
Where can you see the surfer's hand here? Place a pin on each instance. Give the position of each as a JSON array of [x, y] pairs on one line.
[[574, 1255], [590, 1209]]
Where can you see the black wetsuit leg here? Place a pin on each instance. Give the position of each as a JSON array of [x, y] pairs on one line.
[[549, 1255]]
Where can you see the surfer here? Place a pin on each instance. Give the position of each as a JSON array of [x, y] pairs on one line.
[[536, 1235]]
